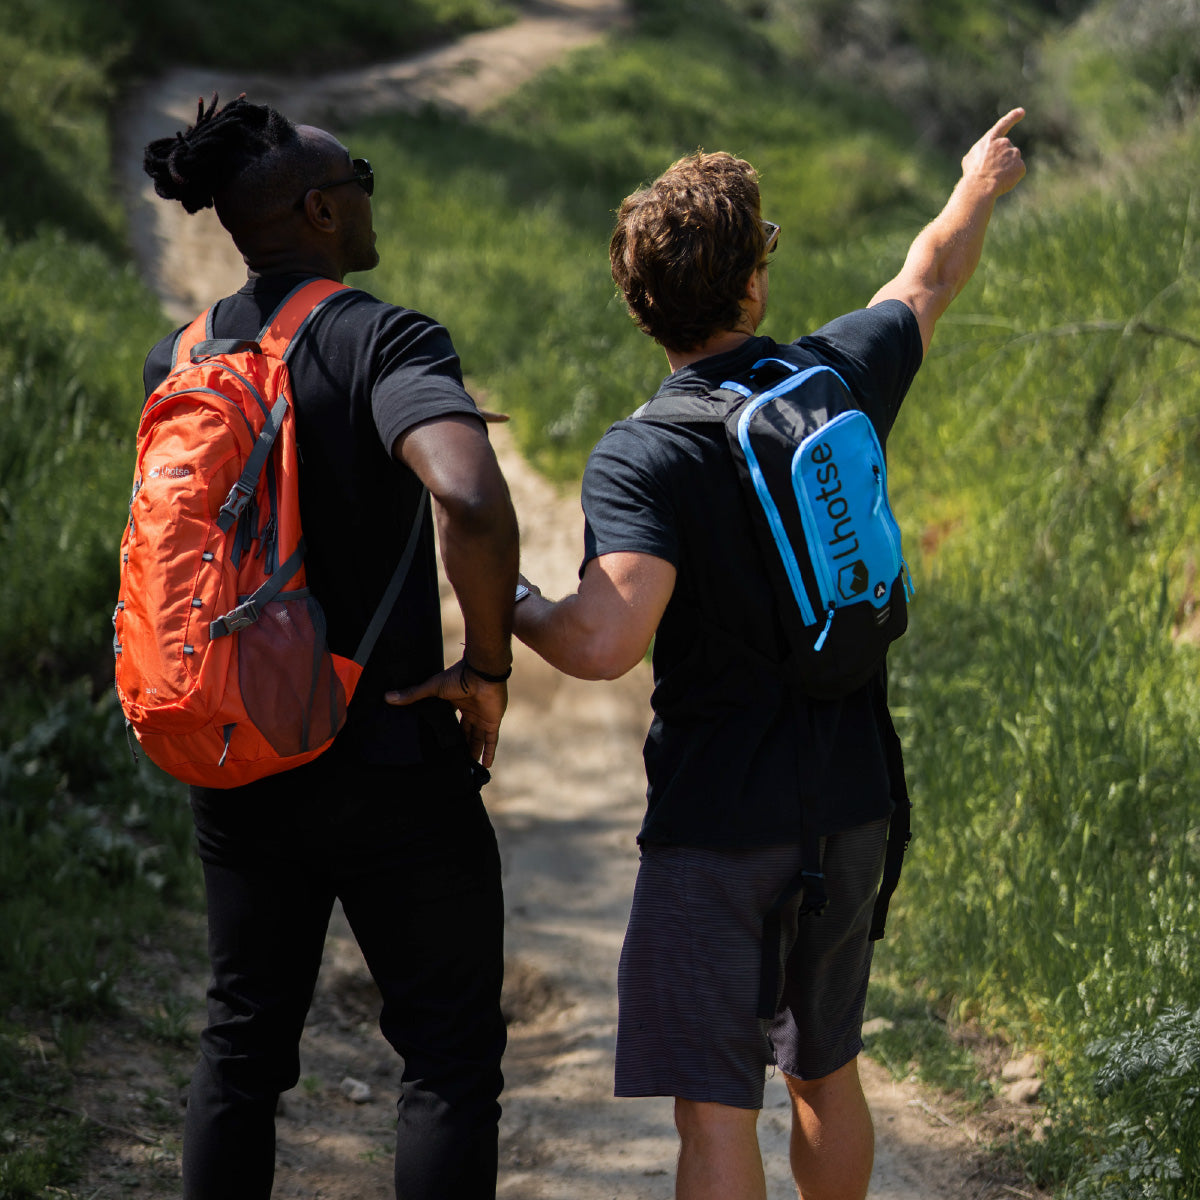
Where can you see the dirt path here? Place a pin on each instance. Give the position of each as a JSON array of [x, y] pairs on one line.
[[567, 797]]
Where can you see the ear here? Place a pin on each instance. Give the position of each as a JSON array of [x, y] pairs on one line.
[[317, 211], [754, 286]]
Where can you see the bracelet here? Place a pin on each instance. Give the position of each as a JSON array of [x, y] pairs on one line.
[[484, 675]]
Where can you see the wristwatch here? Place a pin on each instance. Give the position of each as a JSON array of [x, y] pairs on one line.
[[522, 592]]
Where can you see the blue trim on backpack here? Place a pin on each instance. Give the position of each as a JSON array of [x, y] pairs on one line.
[[774, 520]]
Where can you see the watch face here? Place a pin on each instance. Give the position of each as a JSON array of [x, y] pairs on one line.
[[522, 592]]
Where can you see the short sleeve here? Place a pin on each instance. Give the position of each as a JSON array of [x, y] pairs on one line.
[[414, 373], [625, 507], [878, 352]]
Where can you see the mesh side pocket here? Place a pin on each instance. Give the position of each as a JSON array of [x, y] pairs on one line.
[[290, 690]]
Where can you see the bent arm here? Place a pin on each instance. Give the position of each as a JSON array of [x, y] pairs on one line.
[[605, 628], [477, 528], [944, 255]]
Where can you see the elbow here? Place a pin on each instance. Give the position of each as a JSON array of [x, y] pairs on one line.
[[606, 657], [482, 513]]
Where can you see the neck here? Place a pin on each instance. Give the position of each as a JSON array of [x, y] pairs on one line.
[[721, 343], [291, 260]]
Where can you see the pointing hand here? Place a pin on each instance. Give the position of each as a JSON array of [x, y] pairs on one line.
[[994, 160]]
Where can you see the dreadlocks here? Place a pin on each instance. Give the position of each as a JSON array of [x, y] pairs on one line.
[[198, 165]]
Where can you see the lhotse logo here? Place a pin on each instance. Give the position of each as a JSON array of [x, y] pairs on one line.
[[169, 472], [853, 579]]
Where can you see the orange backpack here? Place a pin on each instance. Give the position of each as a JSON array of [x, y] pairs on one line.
[[221, 664]]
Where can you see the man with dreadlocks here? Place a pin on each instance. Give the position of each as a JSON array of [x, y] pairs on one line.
[[389, 820]]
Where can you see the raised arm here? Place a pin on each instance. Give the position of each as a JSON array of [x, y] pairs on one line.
[[477, 528], [944, 255]]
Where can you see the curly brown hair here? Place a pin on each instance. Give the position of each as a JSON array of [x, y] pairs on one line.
[[684, 248]]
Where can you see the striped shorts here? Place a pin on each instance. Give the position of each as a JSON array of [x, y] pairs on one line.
[[688, 980]]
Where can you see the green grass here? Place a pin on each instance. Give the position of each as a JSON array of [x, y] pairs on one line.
[[95, 862], [139, 39]]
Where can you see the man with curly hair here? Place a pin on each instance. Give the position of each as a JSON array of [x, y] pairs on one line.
[[741, 767], [389, 820]]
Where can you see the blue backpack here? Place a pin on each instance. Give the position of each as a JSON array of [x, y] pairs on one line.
[[813, 468]]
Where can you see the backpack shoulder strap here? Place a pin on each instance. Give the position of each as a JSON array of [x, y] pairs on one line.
[[189, 337], [276, 336], [296, 310], [691, 408], [688, 408]]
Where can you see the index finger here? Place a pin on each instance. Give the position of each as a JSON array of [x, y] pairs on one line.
[[1006, 122]]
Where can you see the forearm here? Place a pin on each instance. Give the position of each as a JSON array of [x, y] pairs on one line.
[[560, 632], [480, 558], [947, 251], [477, 528]]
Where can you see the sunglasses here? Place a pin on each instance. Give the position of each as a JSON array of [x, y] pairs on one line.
[[363, 175], [771, 230]]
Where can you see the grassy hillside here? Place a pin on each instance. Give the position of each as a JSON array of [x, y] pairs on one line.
[[1044, 470]]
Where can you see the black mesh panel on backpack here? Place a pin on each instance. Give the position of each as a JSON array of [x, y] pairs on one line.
[[288, 684]]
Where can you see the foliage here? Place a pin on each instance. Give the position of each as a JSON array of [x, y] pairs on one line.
[[91, 847], [73, 328], [1148, 1085], [314, 36], [95, 857], [40, 1147], [911, 1038], [1124, 65]]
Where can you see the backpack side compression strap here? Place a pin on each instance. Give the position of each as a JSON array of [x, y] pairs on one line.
[[900, 829], [392, 593]]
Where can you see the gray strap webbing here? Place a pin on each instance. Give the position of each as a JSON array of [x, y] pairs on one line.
[[250, 610], [241, 492], [393, 588]]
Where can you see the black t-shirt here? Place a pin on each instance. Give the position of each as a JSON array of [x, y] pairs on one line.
[[363, 372], [731, 758]]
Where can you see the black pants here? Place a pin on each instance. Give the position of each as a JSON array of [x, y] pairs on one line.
[[412, 856]]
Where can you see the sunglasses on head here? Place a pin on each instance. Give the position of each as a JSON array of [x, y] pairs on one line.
[[771, 231], [363, 175]]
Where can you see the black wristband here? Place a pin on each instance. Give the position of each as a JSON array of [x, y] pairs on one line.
[[485, 676]]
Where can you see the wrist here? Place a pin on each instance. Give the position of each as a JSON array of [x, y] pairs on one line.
[[486, 676]]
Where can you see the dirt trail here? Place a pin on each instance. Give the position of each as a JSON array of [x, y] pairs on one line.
[[567, 797]]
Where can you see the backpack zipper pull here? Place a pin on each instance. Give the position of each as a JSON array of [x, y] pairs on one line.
[[228, 732], [825, 632], [266, 545], [878, 489]]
